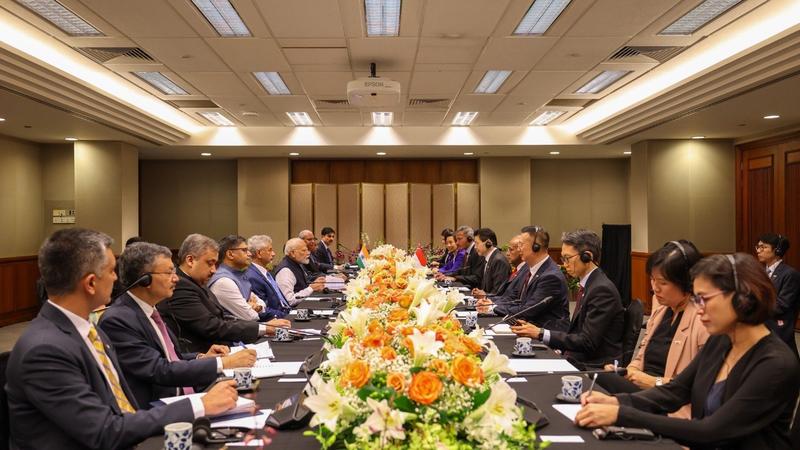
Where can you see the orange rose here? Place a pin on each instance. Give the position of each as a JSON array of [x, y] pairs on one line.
[[405, 301], [374, 340], [467, 372], [398, 315], [374, 326], [388, 353], [401, 283], [471, 344], [439, 366], [355, 374], [425, 387], [453, 345], [396, 381]]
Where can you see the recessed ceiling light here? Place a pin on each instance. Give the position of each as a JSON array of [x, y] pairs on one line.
[[492, 81], [381, 153], [294, 154], [698, 17], [382, 119], [546, 117], [223, 17], [71, 139], [161, 82], [463, 119], [772, 116], [698, 137], [468, 153], [603, 80], [626, 153], [555, 153], [216, 118], [2, 119], [300, 119], [57, 14], [205, 154], [272, 83], [383, 17], [540, 16]]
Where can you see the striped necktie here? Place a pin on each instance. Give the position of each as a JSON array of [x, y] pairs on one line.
[[116, 388]]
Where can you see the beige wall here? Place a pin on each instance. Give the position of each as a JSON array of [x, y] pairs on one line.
[[263, 198], [21, 221], [183, 197], [505, 195], [58, 182], [567, 194]]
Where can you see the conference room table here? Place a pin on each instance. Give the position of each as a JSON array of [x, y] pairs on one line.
[[541, 389]]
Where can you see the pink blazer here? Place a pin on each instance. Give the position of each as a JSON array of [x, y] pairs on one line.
[[689, 339]]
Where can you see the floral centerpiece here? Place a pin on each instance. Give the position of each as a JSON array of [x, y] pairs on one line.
[[401, 373]]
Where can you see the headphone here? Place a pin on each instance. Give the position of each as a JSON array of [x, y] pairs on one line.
[[742, 303], [488, 243], [680, 247], [779, 249], [143, 281], [536, 247], [586, 257]]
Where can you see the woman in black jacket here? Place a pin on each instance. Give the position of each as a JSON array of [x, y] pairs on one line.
[[742, 386]]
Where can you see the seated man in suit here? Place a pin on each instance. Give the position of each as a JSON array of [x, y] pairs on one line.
[[193, 312], [146, 350], [496, 269], [65, 388], [324, 252], [230, 282], [312, 267], [515, 259], [292, 278], [261, 280], [770, 250], [543, 279], [471, 273], [594, 337]]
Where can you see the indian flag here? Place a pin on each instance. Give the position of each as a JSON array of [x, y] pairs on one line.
[[361, 261]]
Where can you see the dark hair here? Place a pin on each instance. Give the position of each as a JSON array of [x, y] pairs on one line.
[[486, 234], [227, 243], [779, 242], [196, 245], [538, 234], [70, 254], [326, 231], [138, 258], [755, 292], [674, 262], [583, 241], [133, 240], [447, 232]]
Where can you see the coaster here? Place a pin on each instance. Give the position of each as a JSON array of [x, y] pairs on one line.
[[523, 355], [253, 387], [563, 399]]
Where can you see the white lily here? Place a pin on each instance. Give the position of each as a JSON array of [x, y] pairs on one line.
[[479, 336], [339, 357], [401, 267], [385, 421], [425, 345], [496, 362], [498, 413], [424, 290], [427, 313], [357, 319], [328, 405], [454, 298]]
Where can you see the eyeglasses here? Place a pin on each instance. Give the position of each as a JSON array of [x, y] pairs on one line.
[[565, 258], [760, 247], [701, 300], [170, 272], [244, 249]]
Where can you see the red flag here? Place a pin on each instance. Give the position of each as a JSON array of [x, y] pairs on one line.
[[419, 255]]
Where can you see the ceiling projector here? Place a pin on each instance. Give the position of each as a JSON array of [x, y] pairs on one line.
[[372, 92]]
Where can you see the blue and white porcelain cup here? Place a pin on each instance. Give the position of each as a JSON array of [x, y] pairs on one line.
[[523, 346], [571, 387], [178, 436], [302, 314], [470, 301], [282, 334], [243, 377], [471, 321]]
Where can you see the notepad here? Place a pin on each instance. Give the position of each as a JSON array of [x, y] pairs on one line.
[[263, 350], [253, 422], [242, 404], [323, 312], [502, 328], [562, 439], [265, 368], [541, 365], [569, 411]]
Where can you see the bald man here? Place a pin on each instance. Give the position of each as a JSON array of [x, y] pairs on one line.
[[292, 277]]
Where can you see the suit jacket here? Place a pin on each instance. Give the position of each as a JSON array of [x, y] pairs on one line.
[[548, 281], [149, 372], [471, 273], [787, 287], [512, 287], [689, 339], [496, 272], [313, 269], [196, 317], [59, 398], [324, 257], [264, 291], [594, 337], [757, 404]]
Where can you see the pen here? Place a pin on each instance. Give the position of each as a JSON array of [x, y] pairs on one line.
[[591, 386]]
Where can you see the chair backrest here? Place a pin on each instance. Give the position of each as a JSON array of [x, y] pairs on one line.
[[634, 314], [5, 429]]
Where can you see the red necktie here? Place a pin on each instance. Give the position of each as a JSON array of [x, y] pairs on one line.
[[171, 355], [578, 299], [525, 284]]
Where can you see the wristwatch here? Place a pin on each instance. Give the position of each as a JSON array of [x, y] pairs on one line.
[[659, 381], [541, 334]]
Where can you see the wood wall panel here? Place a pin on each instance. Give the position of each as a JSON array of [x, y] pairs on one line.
[[640, 284], [428, 171], [396, 213], [372, 214], [792, 208], [468, 200], [443, 197], [324, 207], [301, 212], [18, 302], [348, 231], [419, 214]]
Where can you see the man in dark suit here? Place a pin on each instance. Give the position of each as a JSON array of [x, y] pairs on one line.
[[770, 250], [146, 349], [262, 282], [323, 253], [65, 387], [543, 279], [193, 312], [471, 273], [313, 266], [496, 268], [516, 262], [594, 337]]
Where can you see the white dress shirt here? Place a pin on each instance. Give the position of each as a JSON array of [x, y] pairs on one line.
[[771, 269], [230, 297], [286, 281], [582, 282]]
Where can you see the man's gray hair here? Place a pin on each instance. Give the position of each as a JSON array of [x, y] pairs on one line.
[[196, 244], [306, 232], [583, 240], [70, 254], [467, 230], [138, 259], [292, 244], [257, 242]]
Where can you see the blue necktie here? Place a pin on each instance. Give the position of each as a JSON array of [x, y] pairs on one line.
[[277, 290]]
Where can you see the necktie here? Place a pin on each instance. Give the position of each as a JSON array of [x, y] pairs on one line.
[[171, 355], [514, 274], [330, 255], [116, 388], [578, 298], [278, 292], [525, 284]]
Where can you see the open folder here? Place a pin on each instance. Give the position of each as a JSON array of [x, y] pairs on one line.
[[243, 405], [263, 350]]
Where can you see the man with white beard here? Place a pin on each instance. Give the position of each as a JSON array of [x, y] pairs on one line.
[[292, 278]]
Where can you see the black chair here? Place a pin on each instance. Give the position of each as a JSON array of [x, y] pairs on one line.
[[634, 314], [794, 431], [5, 431]]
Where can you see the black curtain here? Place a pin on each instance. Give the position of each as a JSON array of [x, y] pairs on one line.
[[615, 259]]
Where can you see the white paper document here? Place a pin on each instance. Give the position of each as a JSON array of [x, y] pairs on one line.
[[463, 289], [464, 314], [252, 422], [323, 312], [292, 380], [242, 404], [501, 328], [263, 350], [568, 410], [562, 439], [265, 368], [541, 365]]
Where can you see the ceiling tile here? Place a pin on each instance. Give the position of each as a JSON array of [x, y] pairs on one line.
[[522, 105], [238, 106], [142, 18], [423, 118], [477, 102], [302, 18], [280, 104], [449, 51], [548, 84], [388, 53], [514, 53], [436, 83], [572, 53], [325, 83], [183, 54], [317, 56], [500, 118], [341, 119], [250, 54], [462, 17], [619, 17], [217, 83]]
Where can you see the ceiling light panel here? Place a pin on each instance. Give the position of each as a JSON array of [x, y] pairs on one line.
[[300, 119], [546, 117], [57, 14], [382, 119], [272, 83], [160, 81], [599, 83], [492, 81], [463, 119], [383, 17], [698, 17], [223, 17], [540, 16], [216, 118]]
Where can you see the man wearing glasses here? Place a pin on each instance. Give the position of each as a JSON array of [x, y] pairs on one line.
[[769, 251], [230, 282], [594, 337]]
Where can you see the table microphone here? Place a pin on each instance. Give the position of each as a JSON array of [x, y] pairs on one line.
[[545, 301], [619, 371], [325, 337]]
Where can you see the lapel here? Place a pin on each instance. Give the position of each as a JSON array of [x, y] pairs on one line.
[[680, 338], [144, 322], [706, 375], [582, 312], [535, 277]]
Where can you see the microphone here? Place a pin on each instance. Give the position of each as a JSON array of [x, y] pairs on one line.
[[305, 333], [545, 301], [620, 371]]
